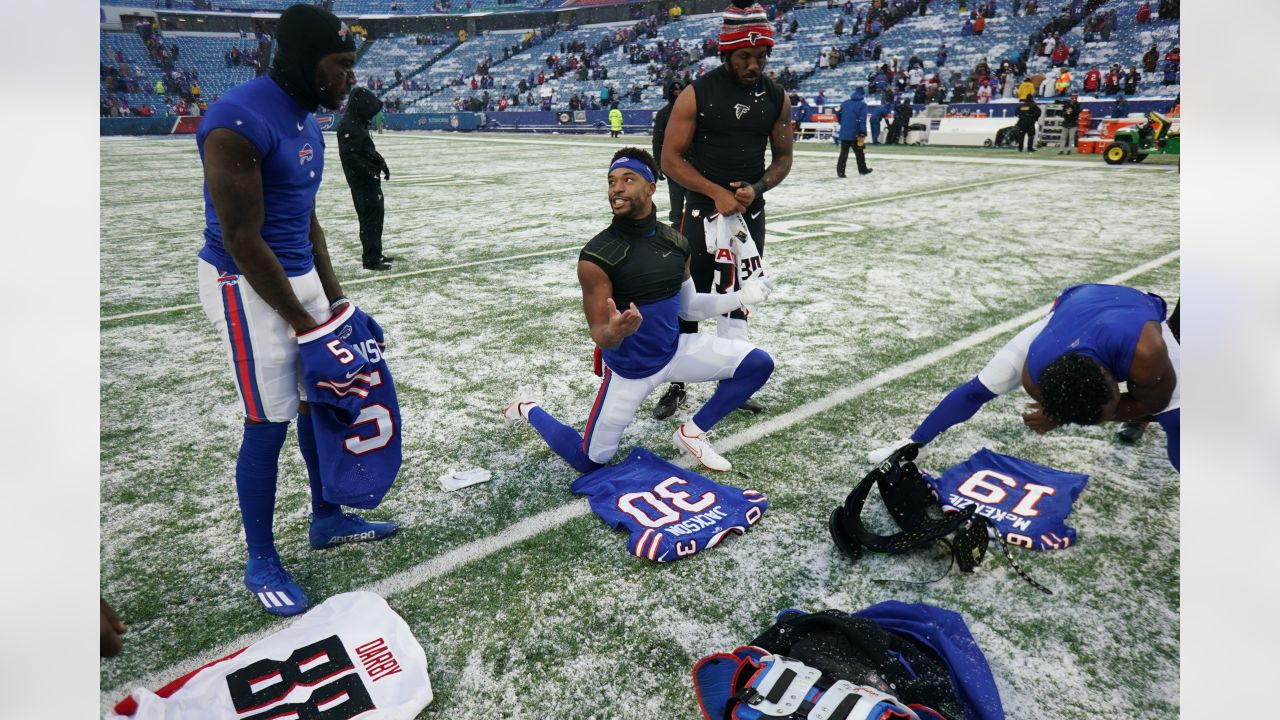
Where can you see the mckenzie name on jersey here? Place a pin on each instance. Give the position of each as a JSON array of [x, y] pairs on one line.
[[670, 512], [351, 656], [1027, 503]]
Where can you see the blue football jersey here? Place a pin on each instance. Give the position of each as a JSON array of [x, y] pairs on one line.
[[670, 512], [1027, 503], [289, 140], [359, 458]]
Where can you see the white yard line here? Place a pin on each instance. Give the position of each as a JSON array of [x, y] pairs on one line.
[[555, 517], [576, 248]]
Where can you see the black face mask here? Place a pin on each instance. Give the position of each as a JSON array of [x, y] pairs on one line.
[[304, 35]]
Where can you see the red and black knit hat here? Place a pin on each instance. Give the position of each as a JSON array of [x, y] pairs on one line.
[[745, 25]]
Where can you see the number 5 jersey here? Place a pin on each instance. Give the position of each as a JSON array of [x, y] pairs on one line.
[[670, 512]]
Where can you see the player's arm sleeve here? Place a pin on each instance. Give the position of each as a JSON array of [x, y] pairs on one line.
[[696, 306]]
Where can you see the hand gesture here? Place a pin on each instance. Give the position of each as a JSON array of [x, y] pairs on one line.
[[622, 324], [727, 203], [1039, 420], [743, 193]]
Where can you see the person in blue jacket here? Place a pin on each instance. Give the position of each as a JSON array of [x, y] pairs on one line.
[[878, 115], [853, 132]]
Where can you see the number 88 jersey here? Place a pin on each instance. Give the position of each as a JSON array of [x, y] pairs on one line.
[[670, 512]]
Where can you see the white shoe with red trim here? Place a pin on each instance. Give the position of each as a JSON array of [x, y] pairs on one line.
[[518, 408], [697, 446]]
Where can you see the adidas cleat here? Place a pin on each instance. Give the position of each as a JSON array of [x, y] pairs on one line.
[[518, 409], [343, 528], [274, 588], [700, 449]]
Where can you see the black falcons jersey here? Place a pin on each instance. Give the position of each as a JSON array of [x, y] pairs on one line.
[[644, 260], [732, 128]]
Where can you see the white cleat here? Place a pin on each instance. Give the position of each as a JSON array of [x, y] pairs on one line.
[[700, 449], [878, 456], [518, 408]]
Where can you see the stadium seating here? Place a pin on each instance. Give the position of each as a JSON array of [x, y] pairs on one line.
[[437, 65]]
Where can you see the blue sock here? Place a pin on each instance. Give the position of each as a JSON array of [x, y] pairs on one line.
[[1172, 423], [562, 439], [311, 456], [959, 405], [750, 375], [256, 472]]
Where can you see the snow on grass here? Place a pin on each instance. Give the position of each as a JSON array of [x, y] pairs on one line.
[[566, 624]]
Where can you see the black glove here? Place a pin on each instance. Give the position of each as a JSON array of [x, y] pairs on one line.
[[386, 172]]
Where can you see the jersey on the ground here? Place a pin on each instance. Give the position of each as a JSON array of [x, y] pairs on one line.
[[1101, 322], [670, 512], [292, 148], [351, 656], [1027, 503], [360, 457]]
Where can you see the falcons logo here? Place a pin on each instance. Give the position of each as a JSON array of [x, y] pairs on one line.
[[739, 110]]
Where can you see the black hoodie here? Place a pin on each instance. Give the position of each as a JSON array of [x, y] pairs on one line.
[[360, 159]]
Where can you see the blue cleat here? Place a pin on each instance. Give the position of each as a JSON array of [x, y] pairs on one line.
[[341, 528], [279, 594]]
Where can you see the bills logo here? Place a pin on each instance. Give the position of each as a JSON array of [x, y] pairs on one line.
[[345, 332], [739, 110], [306, 154], [227, 280], [325, 121]]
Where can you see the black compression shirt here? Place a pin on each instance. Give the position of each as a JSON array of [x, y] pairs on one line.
[[732, 128]]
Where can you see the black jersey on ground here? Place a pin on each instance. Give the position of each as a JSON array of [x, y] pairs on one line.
[[732, 129]]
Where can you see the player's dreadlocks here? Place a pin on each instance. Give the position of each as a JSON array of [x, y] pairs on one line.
[[1074, 390], [639, 155]]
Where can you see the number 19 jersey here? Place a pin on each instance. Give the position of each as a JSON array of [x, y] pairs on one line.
[[670, 512], [1026, 502]]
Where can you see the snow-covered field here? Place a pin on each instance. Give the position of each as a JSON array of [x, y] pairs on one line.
[[893, 288]]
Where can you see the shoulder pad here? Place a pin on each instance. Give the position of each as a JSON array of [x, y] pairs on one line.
[[607, 248], [671, 235]]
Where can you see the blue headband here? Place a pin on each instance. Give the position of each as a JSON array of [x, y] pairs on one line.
[[633, 164]]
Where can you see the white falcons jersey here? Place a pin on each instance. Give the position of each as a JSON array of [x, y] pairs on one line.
[[351, 656]]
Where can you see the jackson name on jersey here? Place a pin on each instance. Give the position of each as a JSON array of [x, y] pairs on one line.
[[670, 512]]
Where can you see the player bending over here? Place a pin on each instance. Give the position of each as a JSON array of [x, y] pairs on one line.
[[642, 265], [1071, 364]]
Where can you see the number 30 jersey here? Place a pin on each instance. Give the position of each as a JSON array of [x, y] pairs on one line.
[[670, 512], [351, 656], [1027, 503]]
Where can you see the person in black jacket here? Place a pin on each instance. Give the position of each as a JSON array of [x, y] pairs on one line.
[[1070, 124], [1028, 116], [364, 168], [670, 92], [901, 119]]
